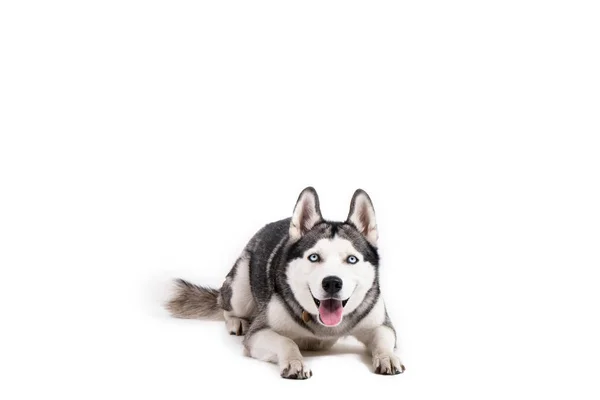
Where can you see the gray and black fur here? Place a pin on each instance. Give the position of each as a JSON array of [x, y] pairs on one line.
[[264, 265]]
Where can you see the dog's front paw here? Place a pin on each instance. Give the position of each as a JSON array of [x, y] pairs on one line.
[[295, 369], [387, 364]]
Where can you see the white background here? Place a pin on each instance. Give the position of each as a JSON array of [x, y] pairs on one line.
[[146, 140]]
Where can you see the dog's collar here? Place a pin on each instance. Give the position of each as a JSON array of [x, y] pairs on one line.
[[306, 317]]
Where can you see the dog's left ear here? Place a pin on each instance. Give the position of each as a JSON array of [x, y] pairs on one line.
[[362, 216], [306, 213]]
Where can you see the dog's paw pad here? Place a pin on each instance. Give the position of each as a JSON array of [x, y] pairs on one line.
[[387, 364], [295, 369], [236, 326]]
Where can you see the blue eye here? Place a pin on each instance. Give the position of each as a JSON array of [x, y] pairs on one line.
[[314, 257], [352, 260]]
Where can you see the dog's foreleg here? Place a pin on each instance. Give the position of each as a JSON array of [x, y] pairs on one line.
[[380, 342], [268, 345]]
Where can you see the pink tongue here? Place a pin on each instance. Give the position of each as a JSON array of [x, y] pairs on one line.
[[331, 311]]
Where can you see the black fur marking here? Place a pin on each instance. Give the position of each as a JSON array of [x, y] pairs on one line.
[[233, 272], [226, 292], [334, 230], [328, 230], [261, 247], [388, 322], [320, 231], [360, 243], [225, 296]]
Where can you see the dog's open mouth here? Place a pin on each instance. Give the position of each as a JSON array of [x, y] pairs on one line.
[[330, 310]]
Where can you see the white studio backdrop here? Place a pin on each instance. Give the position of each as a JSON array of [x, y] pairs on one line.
[[142, 141]]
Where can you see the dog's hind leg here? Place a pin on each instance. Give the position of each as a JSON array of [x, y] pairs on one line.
[[235, 325], [236, 298]]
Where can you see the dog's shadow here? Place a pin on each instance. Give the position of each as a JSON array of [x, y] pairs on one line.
[[342, 348]]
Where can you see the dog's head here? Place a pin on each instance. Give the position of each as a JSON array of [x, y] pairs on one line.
[[332, 265]]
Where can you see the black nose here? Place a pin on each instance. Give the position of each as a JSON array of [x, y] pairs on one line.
[[332, 284]]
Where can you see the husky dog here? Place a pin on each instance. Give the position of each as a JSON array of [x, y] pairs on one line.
[[300, 284]]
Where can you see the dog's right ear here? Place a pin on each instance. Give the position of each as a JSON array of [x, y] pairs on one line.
[[306, 213]]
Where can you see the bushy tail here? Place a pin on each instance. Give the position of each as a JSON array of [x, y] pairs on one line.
[[192, 301]]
